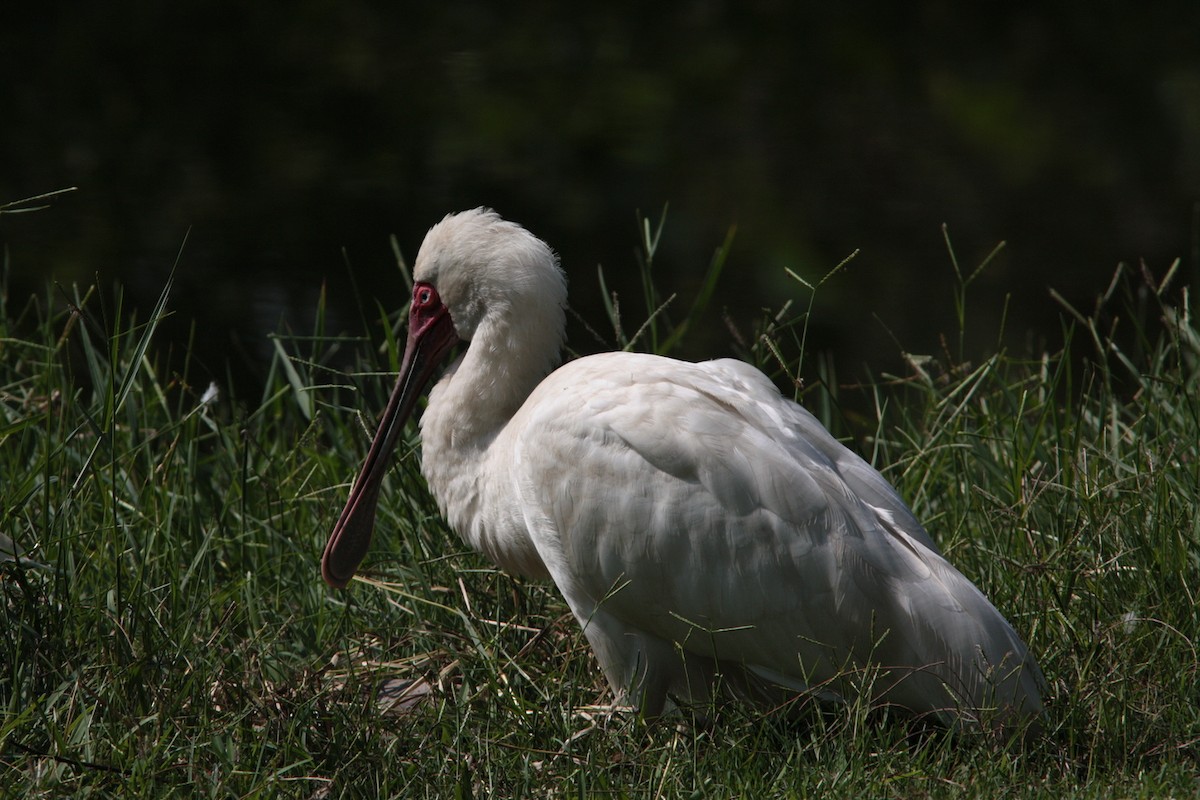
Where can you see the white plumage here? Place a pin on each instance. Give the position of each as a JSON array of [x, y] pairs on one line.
[[705, 531]]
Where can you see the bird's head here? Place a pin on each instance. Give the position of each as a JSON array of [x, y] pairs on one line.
[[477, 276], [482, 266]]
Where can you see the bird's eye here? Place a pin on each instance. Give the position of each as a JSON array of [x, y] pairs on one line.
[[424, 295]]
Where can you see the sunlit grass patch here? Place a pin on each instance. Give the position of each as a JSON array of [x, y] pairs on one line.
[[168, 632]]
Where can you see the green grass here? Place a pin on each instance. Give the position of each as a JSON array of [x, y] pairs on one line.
[[169, 634]]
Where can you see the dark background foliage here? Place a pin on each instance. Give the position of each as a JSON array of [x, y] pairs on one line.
[[293, 139]]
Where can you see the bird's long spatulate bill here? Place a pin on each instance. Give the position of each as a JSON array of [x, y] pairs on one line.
[[430, 338]]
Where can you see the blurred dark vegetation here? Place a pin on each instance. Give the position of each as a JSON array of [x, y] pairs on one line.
[[293, 139]]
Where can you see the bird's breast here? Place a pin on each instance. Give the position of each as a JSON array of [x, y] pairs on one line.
[[473, 491]]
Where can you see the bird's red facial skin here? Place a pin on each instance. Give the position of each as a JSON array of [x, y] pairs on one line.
[[426, 308]]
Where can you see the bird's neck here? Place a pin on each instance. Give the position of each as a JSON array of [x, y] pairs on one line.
[[468, 410], [485, 387]]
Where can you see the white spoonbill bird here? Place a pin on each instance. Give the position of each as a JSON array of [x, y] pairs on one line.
[[711, 538]]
